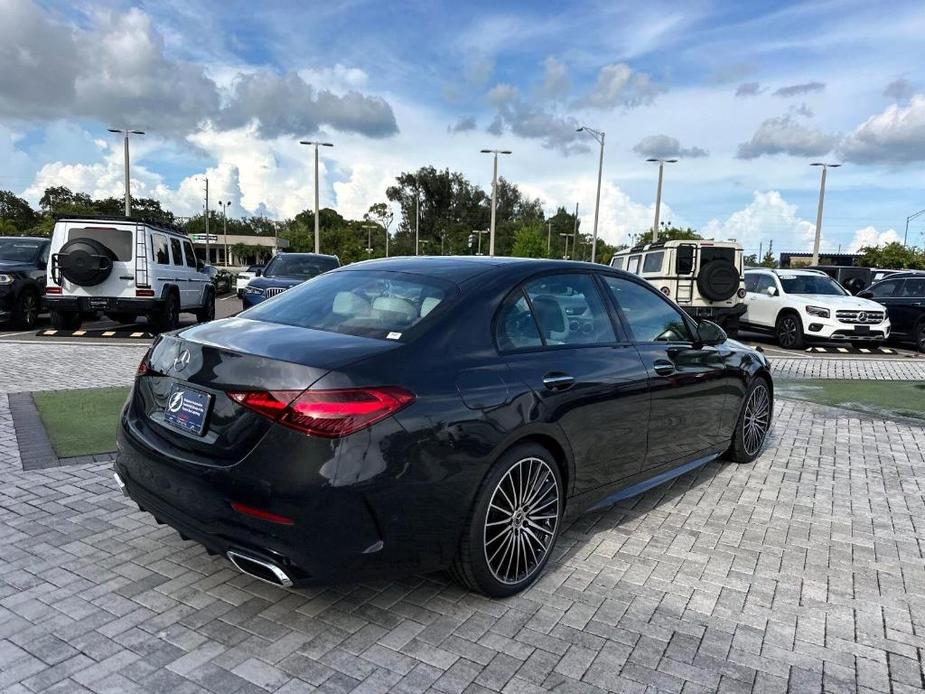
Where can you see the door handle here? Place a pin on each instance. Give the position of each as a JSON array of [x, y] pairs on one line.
[[558, 381], [663, 367]]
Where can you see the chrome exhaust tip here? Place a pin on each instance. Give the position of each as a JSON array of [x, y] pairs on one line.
[[259, 569], [120, 484]]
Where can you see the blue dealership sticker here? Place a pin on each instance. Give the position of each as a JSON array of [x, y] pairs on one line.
[[187, 409]]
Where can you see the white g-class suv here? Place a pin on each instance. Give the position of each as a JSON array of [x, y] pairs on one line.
[[124, 268], [801, 305]]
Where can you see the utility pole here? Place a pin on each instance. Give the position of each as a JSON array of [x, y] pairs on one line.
[[548, 237], [369, 238], [480, 232], [818, 239], [208, 250], [417, 221], [658, 193], [574, 232], [128, 185], [566, 257], [224, 206], [599, 136], [494, 196], [316, 145]]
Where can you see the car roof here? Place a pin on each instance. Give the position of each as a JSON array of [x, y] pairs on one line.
[[307, 255], [25, 238], [902, 274], [787, 271], [119, 219], [459, 268]]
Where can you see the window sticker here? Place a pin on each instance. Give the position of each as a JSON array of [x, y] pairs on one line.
[[393, 336]]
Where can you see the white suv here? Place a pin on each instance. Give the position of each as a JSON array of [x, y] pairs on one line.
[[801, 305], [124, 268]]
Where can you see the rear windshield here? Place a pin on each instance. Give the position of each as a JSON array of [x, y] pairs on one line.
[[810, 284], [118, 241], [20, 250], [384, 305], [302, 267]]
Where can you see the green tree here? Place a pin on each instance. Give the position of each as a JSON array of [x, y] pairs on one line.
[[16, 211], [529, 243], [769, 260], [894, 255]]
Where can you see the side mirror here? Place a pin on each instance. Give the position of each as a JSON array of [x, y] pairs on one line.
[[258, 272], [709, 333], [772, 291], [866, 294], [200, 265]]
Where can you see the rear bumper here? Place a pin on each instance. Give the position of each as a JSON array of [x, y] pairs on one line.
[[714, 312], [83, 304]]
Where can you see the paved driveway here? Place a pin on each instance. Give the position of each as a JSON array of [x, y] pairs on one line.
[[801, 571]]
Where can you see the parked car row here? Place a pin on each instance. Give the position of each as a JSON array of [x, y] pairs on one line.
[[411, 414]]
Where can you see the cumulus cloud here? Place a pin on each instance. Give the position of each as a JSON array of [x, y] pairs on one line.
[[798, 89], [287, 105], [896, 136], [464, 124], [869, 236], [767, 216], [663, 146], [900, 90], [529, 120], [749, 89], [555, 78], [786, 135], [618, 85]]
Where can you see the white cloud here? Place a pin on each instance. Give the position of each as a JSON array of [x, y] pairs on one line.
[[336, 78], [366, 186], [869, 236], [618, 85], [896, 136], [662, 146], [800, 89], [555, 78], [768, 216], [786, 135]]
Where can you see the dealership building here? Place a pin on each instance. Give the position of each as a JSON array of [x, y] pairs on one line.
[[237, 249]]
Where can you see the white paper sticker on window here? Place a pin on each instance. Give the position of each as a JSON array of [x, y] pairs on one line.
[[393, 336]]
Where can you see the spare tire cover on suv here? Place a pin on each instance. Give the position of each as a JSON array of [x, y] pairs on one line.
[[718, 280], [85, 262]]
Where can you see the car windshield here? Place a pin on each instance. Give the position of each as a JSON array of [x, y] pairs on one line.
[[254, 268], [19, 250], [384, 305], [810, 284], [301, 267]]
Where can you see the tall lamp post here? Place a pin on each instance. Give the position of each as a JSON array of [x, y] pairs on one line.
[[565, 257], [494, 196], [599, 136], [369, 238], [658, 192], [909, 219], [128, 186], [479, 232], [224, 206], [316, 145], [825, 167]]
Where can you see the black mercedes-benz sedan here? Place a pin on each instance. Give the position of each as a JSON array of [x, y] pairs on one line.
[[413, 414]]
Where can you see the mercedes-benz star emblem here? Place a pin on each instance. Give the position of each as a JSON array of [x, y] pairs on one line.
[[182, 360], [862, 317]]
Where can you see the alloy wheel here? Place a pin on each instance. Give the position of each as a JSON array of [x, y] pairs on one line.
[[521, 521], [30, 310], [787, 335], [756, 419]]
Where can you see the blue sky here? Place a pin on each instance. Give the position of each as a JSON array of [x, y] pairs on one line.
[[746, 95]]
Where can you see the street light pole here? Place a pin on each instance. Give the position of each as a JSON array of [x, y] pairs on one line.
[[224, 206], [548, 237], [658, 192], [128, 185], [494, 196], [316, 145], [480, 232], [909, 219], [208, 248], [417, 222], [818, 239], [566, 257], [369, 238], [599, 136]]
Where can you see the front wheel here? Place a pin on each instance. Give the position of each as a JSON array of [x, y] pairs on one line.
[[753, 424], [920, 336], [789, 331], [514, 523], [26, 310]]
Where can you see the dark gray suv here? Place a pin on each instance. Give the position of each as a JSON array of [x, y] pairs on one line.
[[22, 279]]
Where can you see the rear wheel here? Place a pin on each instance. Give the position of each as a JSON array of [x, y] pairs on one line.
[[65, 320], [753, 423], [789, 331], [168, 318], [514, 523], [920, 336], [207, 312], [26, 310]]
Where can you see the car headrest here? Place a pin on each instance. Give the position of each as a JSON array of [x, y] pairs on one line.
[[549, 314], [394, 304], [349, 304]]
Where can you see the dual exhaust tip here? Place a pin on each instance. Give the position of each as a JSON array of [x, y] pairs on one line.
[[259, 569]]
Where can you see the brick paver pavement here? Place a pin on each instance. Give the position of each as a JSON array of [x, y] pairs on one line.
[[801, 571], [912, 369]]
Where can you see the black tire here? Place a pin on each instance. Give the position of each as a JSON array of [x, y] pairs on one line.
[[26, 309], [789, 331], [920, 336], [718, 280], [65, 320], [207, 312], [168, 318], [485, 562], [85, 262], [753, 422], [121, 317]]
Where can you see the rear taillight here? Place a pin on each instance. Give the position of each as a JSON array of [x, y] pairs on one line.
[[144, 292], [53, 290], [143, 367], [326, 413]]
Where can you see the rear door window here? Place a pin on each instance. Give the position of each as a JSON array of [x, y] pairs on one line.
[[176, 251], [751, 283], [632, 264], [649, 315], [159, 249], [914, 287], [118, 241], [885, 289]]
